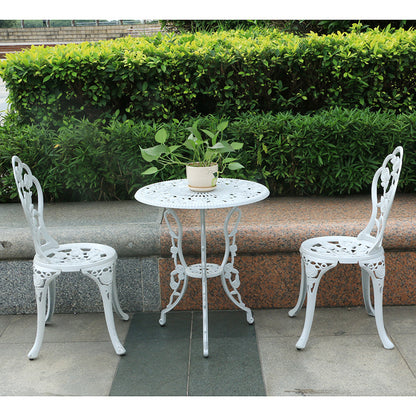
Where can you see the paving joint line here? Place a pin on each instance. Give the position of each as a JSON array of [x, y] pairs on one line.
[[401, 355]]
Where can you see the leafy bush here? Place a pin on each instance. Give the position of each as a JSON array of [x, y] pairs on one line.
[[229, 72], [300, 27], [324, 27], [333, 152], [193, 26]]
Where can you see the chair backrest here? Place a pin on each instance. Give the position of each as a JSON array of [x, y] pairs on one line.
[[27, 184], [386, 179]]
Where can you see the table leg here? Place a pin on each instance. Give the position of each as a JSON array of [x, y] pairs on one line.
[[204, 284], [178, 276], [229, 275], [228, 270]]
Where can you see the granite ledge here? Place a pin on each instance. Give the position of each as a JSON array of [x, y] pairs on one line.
[[279, 225], [133, 229]]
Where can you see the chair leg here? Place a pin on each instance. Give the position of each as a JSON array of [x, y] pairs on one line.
[[103, 276], [116, 303], [42, 279], [51, 300], [377, 272], [365, 281], [314, 270], [302, 292]]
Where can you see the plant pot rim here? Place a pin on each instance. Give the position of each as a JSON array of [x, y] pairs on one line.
[[201, 164]]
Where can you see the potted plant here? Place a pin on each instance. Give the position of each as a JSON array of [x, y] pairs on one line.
[[204, 153]]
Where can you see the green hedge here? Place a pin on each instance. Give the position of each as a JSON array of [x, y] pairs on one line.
[[230, 72], [333, 152]]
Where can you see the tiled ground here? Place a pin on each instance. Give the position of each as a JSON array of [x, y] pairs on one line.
[[168, 361], [344, 356]]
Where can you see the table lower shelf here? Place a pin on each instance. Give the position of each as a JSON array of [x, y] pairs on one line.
[[195, 270]]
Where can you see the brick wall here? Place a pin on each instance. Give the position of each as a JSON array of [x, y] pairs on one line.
[[74, 34]]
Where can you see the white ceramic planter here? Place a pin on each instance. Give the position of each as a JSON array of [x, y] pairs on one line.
[[202, 178]]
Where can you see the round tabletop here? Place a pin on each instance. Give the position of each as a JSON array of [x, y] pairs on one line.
[[176, 194]]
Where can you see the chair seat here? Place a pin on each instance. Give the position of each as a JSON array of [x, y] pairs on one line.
[[74, 257], [343, 249]]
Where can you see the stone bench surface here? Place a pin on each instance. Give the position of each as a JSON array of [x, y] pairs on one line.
[[133, 229]]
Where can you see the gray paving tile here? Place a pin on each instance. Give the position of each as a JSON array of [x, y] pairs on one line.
[[63, 328], [153, 368], [327, 321], [156, 363], [400, 319], [63, 369], [232, 368], [145, 325], [223, 324], [348, 365], [405, 344], [169, 361]]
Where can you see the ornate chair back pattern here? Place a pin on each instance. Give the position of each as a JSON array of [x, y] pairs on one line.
[[27, 184], [386, 179]]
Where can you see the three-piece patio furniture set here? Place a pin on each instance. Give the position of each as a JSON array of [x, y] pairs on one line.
[[318, 255]]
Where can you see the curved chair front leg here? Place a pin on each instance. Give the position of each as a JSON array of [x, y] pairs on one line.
[[314, 270], [376, 270], [116, 302], [302, 291], [42, 279], [103, 276], [365, 281], [51, 300]]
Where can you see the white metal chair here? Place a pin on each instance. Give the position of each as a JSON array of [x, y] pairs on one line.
[[321, 254], [96, 261]]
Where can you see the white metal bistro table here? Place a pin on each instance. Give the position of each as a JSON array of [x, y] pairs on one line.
[[229, 193]]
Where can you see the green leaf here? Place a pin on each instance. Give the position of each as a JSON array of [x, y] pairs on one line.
[[150, 171], [235, 166], [218, 146], [222, 126], [237, 145], [174, 147], [190, 143], [194, 130], [210, 134], [153, 153], [222, 147], [161, 136]]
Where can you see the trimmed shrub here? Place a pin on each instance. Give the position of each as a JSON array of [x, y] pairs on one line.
[[230, 72], [333, 152]]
